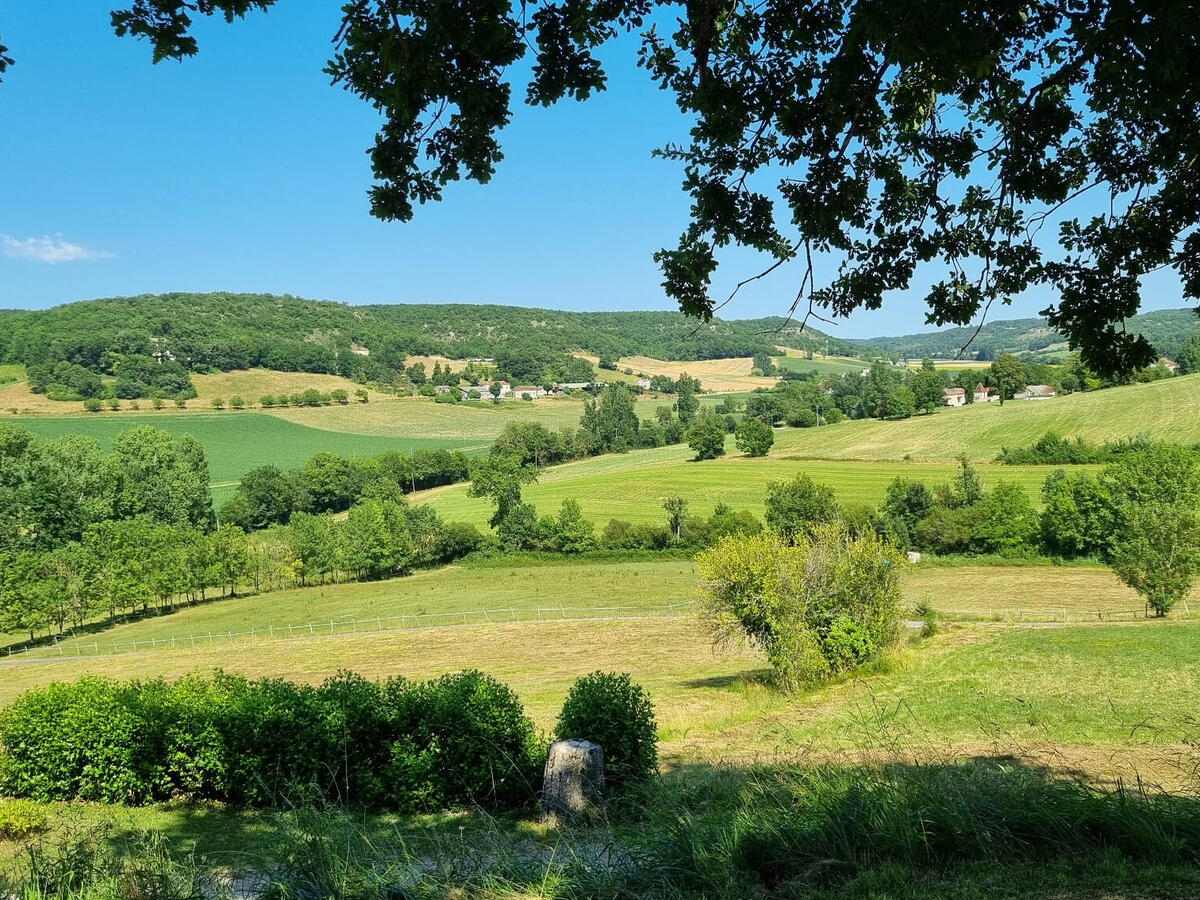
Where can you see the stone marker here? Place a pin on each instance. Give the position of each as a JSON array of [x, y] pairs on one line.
[[913, 556], [574, 777]]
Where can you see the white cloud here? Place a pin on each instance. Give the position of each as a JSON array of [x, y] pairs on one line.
[[48, 249]]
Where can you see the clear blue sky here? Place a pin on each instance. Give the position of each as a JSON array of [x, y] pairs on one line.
[[244, 170]]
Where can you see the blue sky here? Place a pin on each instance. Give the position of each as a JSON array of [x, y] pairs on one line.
[[244, 170]]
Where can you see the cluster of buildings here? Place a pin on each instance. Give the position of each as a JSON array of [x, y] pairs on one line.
[[957, 396]]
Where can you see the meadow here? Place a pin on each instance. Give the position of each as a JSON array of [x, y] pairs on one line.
[[1168, 409], [632, 486], [795, 361], [1073, 695]]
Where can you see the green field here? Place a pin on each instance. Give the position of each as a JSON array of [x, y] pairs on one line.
[[834, 365], [236, 442], [632, 486], [530, 591], [1169, 410], [1079, 686]]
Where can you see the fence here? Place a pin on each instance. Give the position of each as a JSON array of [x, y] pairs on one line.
[[79, 647], [1057, 615]]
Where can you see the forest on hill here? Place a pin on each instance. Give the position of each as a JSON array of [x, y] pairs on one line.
[[1166, 329], [223, 331]]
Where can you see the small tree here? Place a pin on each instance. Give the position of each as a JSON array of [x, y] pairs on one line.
[[1008, 374], [793, 507], [362, 395], [823, 605], [754, 437], [707, 438], [1156, 548], [339, 396], [92, 405], [237, 402], [181, 402], [217, 403], [900, 402], [676, 508], [157, 402]]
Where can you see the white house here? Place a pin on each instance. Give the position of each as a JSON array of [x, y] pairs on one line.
[[955, 396], [1036, 392], [644, 383], [531, 389], [985, 394]]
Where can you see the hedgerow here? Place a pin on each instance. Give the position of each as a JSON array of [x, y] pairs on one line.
[[461, 739]]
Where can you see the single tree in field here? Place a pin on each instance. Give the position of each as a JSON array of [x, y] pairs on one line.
[[707, 437], [754, 437], [1189, 356], [1156, 545], [499, 477], [676, 508], [1009, 376]]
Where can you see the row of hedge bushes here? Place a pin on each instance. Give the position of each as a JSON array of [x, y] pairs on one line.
[[462, 739]]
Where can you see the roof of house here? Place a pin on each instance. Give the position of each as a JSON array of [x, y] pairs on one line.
[[1041, 389], [527, 387], [954, 391], [980, 389]]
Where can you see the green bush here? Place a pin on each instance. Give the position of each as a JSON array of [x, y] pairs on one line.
[[462, 739], [615, 713], [20, 818]]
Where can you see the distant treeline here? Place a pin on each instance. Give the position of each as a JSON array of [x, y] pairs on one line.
[[222, 332], [1167, 330]]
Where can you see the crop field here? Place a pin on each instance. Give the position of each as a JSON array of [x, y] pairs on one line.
[[236, 442], [1168, 409], [1075, 693], [718, 375], [470, 423], [632, 486]]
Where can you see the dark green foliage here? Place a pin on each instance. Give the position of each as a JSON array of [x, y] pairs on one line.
[[707, 437], [459, 740], [792, 507], [611, 710], [754, 437]]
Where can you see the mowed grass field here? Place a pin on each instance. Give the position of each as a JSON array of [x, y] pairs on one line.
[[479, 593], [632, 486], [795, 361], [1167, 410], [1074, 696]]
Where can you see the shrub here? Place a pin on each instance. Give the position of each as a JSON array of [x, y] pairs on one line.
[[928, 616], [92, 405], [824, 604], [462, 739], [615, 713], [20, 818]]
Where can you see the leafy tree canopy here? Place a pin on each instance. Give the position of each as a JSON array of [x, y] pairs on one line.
[[887, 135]]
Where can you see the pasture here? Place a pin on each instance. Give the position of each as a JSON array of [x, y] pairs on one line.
[[632, 486], [503, 591], [1072, 696], [1169, 410], [716, 375], [794, 361]]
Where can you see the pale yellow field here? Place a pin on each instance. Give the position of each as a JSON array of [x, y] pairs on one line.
[[251, 384], [719, 375]]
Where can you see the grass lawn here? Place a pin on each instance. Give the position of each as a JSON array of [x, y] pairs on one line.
[[632, 485]]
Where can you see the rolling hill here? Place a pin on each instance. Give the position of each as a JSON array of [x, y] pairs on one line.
[[1166, 329]]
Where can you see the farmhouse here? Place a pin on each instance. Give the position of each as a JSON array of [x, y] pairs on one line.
[[442, 388], [644, 383], [955, 396], [1036, 392], [985, 394], [532, 390], [1169, 364]]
